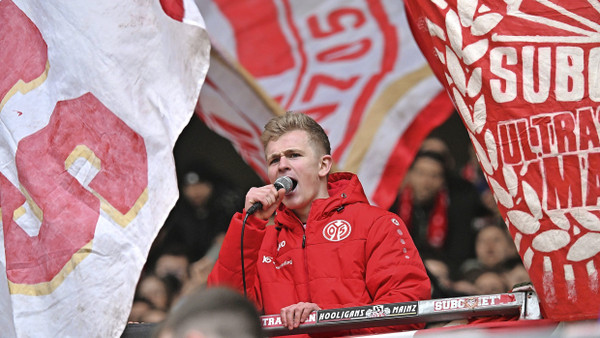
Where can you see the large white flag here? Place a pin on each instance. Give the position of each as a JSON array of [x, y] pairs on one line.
[[93, 95], [352, 65]]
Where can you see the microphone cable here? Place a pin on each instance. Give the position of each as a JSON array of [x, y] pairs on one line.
[[242, 254]]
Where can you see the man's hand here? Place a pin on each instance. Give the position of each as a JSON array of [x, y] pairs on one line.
[[293, 315], [270, 198]]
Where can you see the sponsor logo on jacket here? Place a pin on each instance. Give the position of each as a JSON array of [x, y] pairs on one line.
[[269, 260]]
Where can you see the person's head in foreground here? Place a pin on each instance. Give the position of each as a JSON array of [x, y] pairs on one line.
[[212, 313]]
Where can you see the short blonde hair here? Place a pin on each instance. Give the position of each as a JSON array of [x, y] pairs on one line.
[[291, 121]]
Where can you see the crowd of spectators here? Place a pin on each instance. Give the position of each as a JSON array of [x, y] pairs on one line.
[[187, 245], [456, 225], [449, 211]]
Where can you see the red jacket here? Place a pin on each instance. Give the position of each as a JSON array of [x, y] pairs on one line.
[[351, 254]]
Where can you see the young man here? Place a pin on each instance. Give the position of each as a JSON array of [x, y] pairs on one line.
[[328, 248]]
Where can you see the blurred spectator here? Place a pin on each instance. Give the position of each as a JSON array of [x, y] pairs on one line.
[[188, 244], [139, 308], [472, 172], [173, 262], [159, 291], [466, 286], [216, 313], [154, 316], [144, 311], [441, 284], [437, 145], [493, 246], [439, 207], [490, 282], [514, 272], [201, 216], [153, 289], [199, 272], [482, 280], [439, 269]]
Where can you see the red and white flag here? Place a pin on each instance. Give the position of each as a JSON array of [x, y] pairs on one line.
[[233, 105], [352, 65], [525, 78], [92, 98]]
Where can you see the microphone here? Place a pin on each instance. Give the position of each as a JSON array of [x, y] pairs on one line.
[[283, 182]]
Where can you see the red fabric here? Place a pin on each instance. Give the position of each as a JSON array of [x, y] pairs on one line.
[[469, 173], [496, 326], [524, 79], [173, 8], [431, 116], [493, 319], [437, 229], [376, 263]]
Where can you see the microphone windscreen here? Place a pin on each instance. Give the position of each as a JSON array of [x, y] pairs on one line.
[[284, 182]]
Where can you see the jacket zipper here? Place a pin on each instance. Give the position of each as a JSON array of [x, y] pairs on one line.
[[305, 258]]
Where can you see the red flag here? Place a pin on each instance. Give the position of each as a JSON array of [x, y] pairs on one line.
[[524, 78]]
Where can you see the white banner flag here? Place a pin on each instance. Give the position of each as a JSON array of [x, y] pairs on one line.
[[92, 98], [352, 65]]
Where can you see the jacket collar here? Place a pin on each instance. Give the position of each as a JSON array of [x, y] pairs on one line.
[[344, 189]]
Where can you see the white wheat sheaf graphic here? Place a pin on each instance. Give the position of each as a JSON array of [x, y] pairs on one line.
[[465, 86]]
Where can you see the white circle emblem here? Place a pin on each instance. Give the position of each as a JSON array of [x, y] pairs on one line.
[[337, 230]]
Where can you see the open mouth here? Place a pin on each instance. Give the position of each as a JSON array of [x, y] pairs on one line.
[[294, 184]]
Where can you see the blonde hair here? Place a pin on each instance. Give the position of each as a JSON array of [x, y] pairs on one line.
[[291, 121]]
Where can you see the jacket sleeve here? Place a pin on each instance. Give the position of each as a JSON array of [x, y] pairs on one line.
[[394, 270], [228, 268]]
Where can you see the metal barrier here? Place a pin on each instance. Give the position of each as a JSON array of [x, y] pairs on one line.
[[524, 304]]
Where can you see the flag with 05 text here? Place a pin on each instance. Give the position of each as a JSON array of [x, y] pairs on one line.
[[351, 65]]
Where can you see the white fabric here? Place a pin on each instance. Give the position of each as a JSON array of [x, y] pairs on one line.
[[147, 69]]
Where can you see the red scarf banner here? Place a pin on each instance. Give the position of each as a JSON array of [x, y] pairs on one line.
[[524, 76]]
